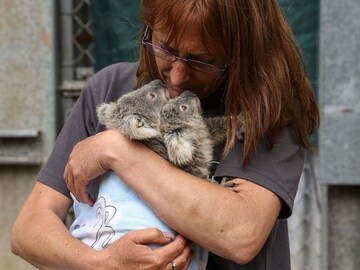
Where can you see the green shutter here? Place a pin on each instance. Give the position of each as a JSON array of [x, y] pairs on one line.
[[116, 26], [303, 16]]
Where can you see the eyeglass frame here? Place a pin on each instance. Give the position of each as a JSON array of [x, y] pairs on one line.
[[145, 42]]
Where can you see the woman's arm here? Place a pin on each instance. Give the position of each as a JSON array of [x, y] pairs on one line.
[[40, 237], [237, 223]]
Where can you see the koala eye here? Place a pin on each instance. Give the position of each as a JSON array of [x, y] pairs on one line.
[[183, 107], [152, 95]]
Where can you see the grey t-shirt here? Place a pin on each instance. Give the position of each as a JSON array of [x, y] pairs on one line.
[[277, 169]]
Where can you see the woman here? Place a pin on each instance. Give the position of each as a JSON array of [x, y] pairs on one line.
[[236, 55]]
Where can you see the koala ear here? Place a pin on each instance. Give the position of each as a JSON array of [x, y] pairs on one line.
[[104, 113], [156, 83]]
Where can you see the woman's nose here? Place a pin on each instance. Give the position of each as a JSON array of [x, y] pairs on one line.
[[180, 73]]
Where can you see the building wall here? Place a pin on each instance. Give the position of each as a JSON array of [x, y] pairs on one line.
[[27, 107], [339, 133]]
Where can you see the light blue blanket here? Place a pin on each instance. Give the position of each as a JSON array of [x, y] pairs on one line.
[[116, 211]]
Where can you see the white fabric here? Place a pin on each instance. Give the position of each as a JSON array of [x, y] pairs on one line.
[[116, 211]]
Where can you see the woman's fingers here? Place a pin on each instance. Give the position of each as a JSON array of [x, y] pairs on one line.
[[134, 250]]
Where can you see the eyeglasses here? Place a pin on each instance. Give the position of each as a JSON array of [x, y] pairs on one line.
[[171, 57]]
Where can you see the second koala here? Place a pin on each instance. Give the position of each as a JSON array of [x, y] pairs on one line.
[[189, 137]]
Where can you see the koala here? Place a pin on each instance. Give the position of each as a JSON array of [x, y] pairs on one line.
[[174, 128], [136, 115], [189, 137]]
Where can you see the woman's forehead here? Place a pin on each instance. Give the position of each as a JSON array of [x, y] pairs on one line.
[[196, 24], [188, 42], [177, 33]]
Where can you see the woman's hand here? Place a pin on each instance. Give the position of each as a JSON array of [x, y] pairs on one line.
[[89, 159], [131, 251]]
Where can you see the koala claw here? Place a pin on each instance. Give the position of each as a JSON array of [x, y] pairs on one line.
[[227, 182]]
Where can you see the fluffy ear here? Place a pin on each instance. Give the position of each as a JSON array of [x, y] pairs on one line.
[[136, 128], [104, 112], [156, 83]]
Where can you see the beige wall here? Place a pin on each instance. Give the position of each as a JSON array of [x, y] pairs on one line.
[[27, 110], [15, 184]]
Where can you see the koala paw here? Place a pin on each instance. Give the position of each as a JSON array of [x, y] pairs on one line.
[[227, 182], [180, 151]]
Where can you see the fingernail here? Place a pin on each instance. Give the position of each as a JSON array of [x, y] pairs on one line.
[[169, 235]]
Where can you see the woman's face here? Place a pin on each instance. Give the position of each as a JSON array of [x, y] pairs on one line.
[[177, 75]]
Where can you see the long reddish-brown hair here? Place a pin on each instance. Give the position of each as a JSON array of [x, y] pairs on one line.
[[266, 78]]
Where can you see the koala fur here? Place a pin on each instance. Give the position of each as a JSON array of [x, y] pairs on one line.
[[136, 115], [189, 137], [174, 128]]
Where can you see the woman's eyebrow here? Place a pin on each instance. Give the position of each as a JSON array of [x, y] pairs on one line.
[[167, 46]]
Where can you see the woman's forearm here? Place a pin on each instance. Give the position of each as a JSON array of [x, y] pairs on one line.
[[233, 225], [213, 216], [40, 236]]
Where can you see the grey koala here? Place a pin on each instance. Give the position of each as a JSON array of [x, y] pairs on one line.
[[175, 128], [189, 137]]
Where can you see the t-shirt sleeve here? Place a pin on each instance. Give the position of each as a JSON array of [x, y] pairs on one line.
[[80, 124], [278, 168], [104, 86]]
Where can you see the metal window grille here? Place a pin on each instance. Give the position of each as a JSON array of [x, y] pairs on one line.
[[82, 37], [76, 57], [77, 47]]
